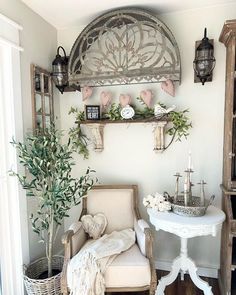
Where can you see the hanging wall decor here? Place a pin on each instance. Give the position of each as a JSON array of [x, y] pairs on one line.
[[204, 61], [169, 87], [42, 98], [124, 46]]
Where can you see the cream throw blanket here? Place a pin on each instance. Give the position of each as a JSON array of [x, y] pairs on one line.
[[85, 273]]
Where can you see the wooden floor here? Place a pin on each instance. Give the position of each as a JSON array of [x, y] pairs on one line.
[[185, 287]]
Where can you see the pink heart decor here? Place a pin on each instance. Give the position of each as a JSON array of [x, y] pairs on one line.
[[105, 97], [169, 87], [86, 92], [125, 99], [146, 96]]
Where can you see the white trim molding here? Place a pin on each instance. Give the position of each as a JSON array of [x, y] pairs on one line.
[[9, 33], [10, 22], [14, 246], [11, 44]]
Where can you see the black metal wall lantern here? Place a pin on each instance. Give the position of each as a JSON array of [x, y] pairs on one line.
[[59, 70], [204, 61]]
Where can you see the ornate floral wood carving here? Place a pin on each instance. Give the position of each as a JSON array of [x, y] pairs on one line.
[[124, 46]]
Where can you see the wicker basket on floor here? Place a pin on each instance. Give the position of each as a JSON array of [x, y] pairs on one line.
[[35, 286]]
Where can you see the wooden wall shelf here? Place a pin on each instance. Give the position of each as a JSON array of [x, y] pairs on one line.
[[125, 121], [97, 129]]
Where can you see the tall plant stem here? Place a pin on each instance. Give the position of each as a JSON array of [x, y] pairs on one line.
[[50, 244]]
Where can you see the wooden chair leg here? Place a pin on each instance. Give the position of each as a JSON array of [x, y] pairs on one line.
[[153, 287], [152, 291]]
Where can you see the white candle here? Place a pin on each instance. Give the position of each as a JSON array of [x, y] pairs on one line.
[[185, 187], [189, 160], [185, 199]]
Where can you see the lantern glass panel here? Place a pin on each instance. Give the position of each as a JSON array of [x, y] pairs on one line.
[[60, 79], [60, 76], [204, 62]]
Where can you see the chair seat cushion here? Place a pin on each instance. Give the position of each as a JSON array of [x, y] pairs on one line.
[[128, 269]]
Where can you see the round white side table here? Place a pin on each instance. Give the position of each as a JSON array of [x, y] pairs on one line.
[[185, 228]]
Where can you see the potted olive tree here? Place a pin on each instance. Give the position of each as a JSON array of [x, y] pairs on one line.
[[48, 165]]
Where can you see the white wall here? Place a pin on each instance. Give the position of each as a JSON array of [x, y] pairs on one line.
[[39, 40], [128, 155]]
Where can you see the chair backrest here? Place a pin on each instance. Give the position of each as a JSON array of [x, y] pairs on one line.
[[117, 202]]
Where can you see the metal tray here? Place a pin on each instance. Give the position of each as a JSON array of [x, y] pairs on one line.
[[193, 210]]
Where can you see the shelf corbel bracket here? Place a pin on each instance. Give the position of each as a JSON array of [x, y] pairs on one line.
[[159, 136], [97, 131]]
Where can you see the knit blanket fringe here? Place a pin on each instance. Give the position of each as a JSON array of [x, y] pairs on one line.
[[85, 274]]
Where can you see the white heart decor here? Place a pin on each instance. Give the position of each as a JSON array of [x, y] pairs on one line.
[[125, 99], [86, 92], [94, 225], [168, 86], [105, 97], [146, 96]]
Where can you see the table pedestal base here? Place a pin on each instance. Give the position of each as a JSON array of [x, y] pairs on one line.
[[184, 264]]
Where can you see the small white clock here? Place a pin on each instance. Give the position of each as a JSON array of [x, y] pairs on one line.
[[127, 112]]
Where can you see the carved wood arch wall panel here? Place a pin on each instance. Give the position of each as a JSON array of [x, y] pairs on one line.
[[124, 46]]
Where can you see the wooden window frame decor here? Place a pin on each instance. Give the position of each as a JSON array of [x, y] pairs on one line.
[[42, 97], [124, 46], [92, 112]]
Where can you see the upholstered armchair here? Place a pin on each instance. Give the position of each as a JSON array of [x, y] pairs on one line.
[[132, 270]]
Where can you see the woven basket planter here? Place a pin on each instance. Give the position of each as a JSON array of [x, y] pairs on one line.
[[36, 286]]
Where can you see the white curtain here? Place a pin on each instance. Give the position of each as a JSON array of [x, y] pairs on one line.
[[11, 125]]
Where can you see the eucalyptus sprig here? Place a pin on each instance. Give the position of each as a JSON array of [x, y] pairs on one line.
[[140, 100], [113, 113], [78, 138], [180, 125], [144, 113]]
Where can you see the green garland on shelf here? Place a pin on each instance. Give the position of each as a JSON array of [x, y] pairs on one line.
[[179, 128], [113, 113], [78, 139]]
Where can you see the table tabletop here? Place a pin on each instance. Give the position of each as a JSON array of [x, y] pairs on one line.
[[213, 216], [188, 226]]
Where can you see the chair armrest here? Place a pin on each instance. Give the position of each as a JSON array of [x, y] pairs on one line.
[[66, 237], [73, 240], [143, 235], [145, 243]]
